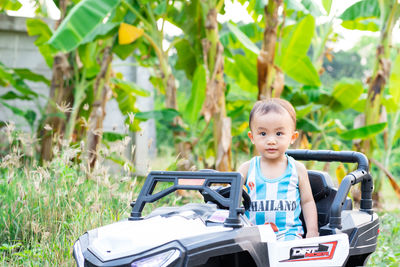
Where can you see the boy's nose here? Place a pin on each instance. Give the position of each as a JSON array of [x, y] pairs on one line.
[[271, 141]]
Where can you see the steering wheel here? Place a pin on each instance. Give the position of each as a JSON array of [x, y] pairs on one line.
[[225, 192]]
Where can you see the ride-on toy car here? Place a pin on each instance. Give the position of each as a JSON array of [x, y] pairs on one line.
[[217, 233]]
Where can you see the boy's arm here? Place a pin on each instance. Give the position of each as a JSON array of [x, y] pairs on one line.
[[243, 169], [307, 202]]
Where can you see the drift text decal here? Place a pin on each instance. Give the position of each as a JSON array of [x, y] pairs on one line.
[[323, 251]]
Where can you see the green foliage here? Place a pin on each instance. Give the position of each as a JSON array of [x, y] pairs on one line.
[[9, 76], [347, 92], [186, 58], [197, 97], [13, 5], [327, 5], [39, 27], [166, 115], [291, 55], [247, 68], [87, 54], [362, 9], [388, 250], [242, 73], [112, 137], [125, 94], [81, 22], [124, 51], [313, 7], [29, 115], [364, 132], [255, 8], [247, 43], [363, 15], [362, 25], [293, 58], [16, 79], [394, 82], [27, 74], [130, 87]]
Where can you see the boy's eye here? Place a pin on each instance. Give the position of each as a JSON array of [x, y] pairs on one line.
[[279, 133], [263, 133]]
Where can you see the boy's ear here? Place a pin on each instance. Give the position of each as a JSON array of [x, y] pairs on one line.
[[295, 135], [250, 135]]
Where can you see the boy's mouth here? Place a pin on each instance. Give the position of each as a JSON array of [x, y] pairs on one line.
[[271, 150]]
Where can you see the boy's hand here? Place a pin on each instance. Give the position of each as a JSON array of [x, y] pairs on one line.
[[312, 234]]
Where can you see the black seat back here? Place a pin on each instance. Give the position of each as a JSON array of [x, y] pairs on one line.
[[321, 184], [323, 192]]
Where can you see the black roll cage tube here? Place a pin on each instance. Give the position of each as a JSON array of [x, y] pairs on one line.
[[360, 175], [209, 177]]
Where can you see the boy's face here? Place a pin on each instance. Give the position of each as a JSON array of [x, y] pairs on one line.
[[272, 133]]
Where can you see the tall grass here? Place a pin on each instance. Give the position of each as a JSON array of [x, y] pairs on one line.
[[44, 209]]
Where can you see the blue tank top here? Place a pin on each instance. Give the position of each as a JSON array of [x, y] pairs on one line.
[[275, 200]]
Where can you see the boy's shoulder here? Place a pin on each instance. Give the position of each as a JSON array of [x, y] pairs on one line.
[[244, 168], [301, 168]]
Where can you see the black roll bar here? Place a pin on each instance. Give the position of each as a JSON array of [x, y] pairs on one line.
[[200, 180], [360, 175]]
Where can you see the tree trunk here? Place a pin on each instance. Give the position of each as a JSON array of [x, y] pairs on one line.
[[182, 148], [214, 104], [270, 77], [60, 96], [60, 99], [101, 92]]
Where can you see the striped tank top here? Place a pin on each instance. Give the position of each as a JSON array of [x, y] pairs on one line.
[[276, 200]]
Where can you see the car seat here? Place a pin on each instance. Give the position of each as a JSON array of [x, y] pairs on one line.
[[324, 193]]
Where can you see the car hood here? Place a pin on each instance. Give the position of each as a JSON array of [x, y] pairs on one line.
[[127, 238]]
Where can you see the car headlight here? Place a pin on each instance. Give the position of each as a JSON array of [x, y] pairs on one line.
[[159, 260], [80, 260]]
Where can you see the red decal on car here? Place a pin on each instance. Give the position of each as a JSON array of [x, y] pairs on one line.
[[323, 251], [274, 227]]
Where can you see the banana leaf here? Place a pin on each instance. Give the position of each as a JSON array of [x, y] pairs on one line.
[[81, 22], [362, 16], [243, 39], [29, 115], [12, 5], [347, 92], [293, 58], [197, 97], [364, 132]]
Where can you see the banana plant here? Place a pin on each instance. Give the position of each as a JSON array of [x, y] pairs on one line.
[[374, 15], [289, 56], [85, 40], [191, 18], [382, 16], [201, 54], [147, 32], [315, 106]]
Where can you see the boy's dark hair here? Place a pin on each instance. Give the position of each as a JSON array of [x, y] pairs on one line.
[[273, 104]]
